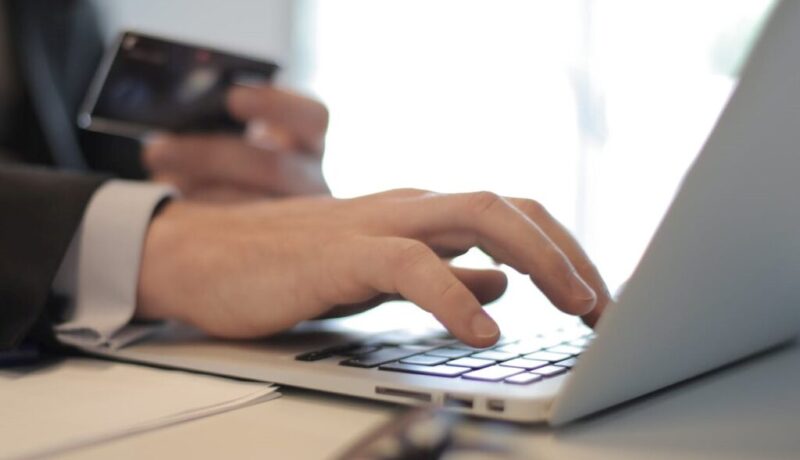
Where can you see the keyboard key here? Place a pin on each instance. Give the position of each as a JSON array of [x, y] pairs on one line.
[[548, 356], [494, 355], [568, 363], [557, 337], [522, 347], [566, 349], [448, 352], [472, 363], [523, 363], [576, 330], [526, 346], [582, 342], [425, 360], [415, 348], [360, 350], [325, 353], [403, 337], [523, 379], [504, 341], [379, 357], [492, 374], [436, 341], [437, 371], [550, 371], [500, 342]]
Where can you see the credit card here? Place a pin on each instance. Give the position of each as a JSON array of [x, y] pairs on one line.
[[147, 83]]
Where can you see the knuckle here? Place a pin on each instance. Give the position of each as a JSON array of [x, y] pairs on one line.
[[411, 192], [183, 184], [411, 255], [154, 158], [406, 260], [478, 203], [452, 289], [324, 116], [534, 209]]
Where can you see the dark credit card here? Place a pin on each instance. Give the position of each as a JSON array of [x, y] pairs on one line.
[[146, 84]]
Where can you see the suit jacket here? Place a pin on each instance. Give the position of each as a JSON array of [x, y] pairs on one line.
[[56, 47]]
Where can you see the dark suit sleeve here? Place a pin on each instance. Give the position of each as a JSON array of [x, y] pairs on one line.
[[39, 211]]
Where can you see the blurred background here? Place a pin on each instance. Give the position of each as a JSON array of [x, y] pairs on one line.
[[596, 108]]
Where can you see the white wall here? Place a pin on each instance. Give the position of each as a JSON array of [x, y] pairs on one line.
[[260, 28]]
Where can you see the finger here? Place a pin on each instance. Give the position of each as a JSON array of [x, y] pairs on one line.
[[486, 285], [226, 160], [359, 307], [571, 248], [304, 117], [269, 136], [413, 270], [486, 220], [209, 193]]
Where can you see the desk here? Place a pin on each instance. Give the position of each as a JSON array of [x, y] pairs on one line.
[[750, 411]]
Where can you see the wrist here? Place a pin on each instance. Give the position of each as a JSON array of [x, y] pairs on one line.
[[158, 253]]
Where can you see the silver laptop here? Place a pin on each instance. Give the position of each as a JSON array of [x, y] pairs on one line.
[[720, 281]]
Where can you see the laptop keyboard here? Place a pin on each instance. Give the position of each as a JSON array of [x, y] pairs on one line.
[[512, 361]]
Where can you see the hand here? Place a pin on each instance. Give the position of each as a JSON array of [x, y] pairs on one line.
[[254, 269], [280, 155]]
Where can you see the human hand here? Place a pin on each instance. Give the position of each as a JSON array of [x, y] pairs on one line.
[[280, 154], [254, 269]]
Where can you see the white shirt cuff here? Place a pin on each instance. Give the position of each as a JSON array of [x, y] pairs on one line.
[[100, 272]]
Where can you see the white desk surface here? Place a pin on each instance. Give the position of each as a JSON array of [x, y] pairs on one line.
[[750, 411]]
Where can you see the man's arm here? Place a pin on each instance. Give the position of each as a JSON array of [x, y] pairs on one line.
[[40, 211]]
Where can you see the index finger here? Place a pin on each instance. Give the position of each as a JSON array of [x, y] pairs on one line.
[[303, 117], [490, 222], [411, 269], [572, 249]]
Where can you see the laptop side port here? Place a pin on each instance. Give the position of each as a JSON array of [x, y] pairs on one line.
[[416, 395], [496, 405], [457, 401]]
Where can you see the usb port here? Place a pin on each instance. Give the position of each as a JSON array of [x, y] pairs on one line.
[[496, 405]]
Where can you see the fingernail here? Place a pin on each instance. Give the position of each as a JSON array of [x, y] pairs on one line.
[[484, 327], [582, 292]]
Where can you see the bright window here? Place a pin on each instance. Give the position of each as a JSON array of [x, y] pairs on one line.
[[594, 108]]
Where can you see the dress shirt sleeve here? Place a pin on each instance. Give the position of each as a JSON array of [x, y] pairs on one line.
[[100, 272]]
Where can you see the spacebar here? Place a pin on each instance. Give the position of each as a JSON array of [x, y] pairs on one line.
[[439, 371]]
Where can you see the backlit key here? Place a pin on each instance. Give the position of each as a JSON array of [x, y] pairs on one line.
[[495, 355], [523, 379], [550, 371], [566, 349], [492, 374], [438, 371], [548, 356], [523, 363], [472, 363]]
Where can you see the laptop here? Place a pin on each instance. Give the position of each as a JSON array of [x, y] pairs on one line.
[[720, 281]]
